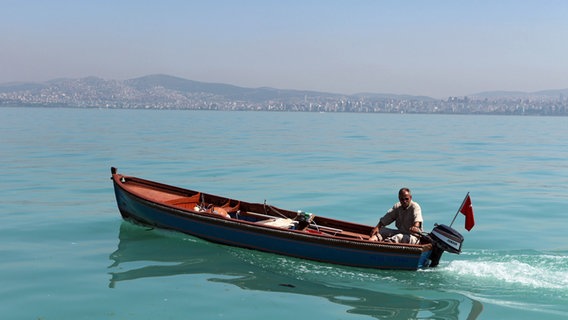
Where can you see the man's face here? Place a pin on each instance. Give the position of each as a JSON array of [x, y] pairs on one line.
[[405, 198]]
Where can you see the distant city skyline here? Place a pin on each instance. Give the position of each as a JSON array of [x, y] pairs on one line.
[[436, 48], [172, 93]]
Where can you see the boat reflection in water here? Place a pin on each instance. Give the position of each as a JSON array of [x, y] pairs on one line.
[[154, 253]]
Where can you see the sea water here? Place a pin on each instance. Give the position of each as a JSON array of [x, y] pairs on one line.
[[65, 253]]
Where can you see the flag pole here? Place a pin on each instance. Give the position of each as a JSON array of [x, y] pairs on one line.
[[463, 202]]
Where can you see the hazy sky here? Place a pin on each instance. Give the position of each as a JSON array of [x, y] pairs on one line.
[[433, 48]]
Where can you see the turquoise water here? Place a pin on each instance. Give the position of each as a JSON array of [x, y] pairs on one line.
[[66, 253]]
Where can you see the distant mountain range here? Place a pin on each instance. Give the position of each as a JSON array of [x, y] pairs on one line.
[[169, 92], [176, 84]]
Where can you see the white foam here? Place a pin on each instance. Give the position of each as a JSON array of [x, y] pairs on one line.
[[534, 275]]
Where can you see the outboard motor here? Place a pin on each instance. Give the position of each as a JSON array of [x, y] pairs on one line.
[[444, 238]]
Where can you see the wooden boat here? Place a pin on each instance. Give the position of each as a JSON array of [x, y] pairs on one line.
[[267, 228]]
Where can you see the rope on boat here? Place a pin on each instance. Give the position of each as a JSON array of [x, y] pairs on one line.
[[273, 209]]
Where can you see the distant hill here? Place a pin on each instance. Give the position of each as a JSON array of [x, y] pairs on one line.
[[520, 94], [557, 92], [226, 90], [183, 85], [391, 96]]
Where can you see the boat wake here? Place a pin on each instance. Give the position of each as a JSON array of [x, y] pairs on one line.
[[485, 278], [528, 269], [500, 278]]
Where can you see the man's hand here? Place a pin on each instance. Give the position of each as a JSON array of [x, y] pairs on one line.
[[374, 231]]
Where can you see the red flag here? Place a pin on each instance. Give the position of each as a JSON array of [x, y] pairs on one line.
[[467, 210]]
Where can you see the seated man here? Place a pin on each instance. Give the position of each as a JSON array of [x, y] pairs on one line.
[[408, 217]]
